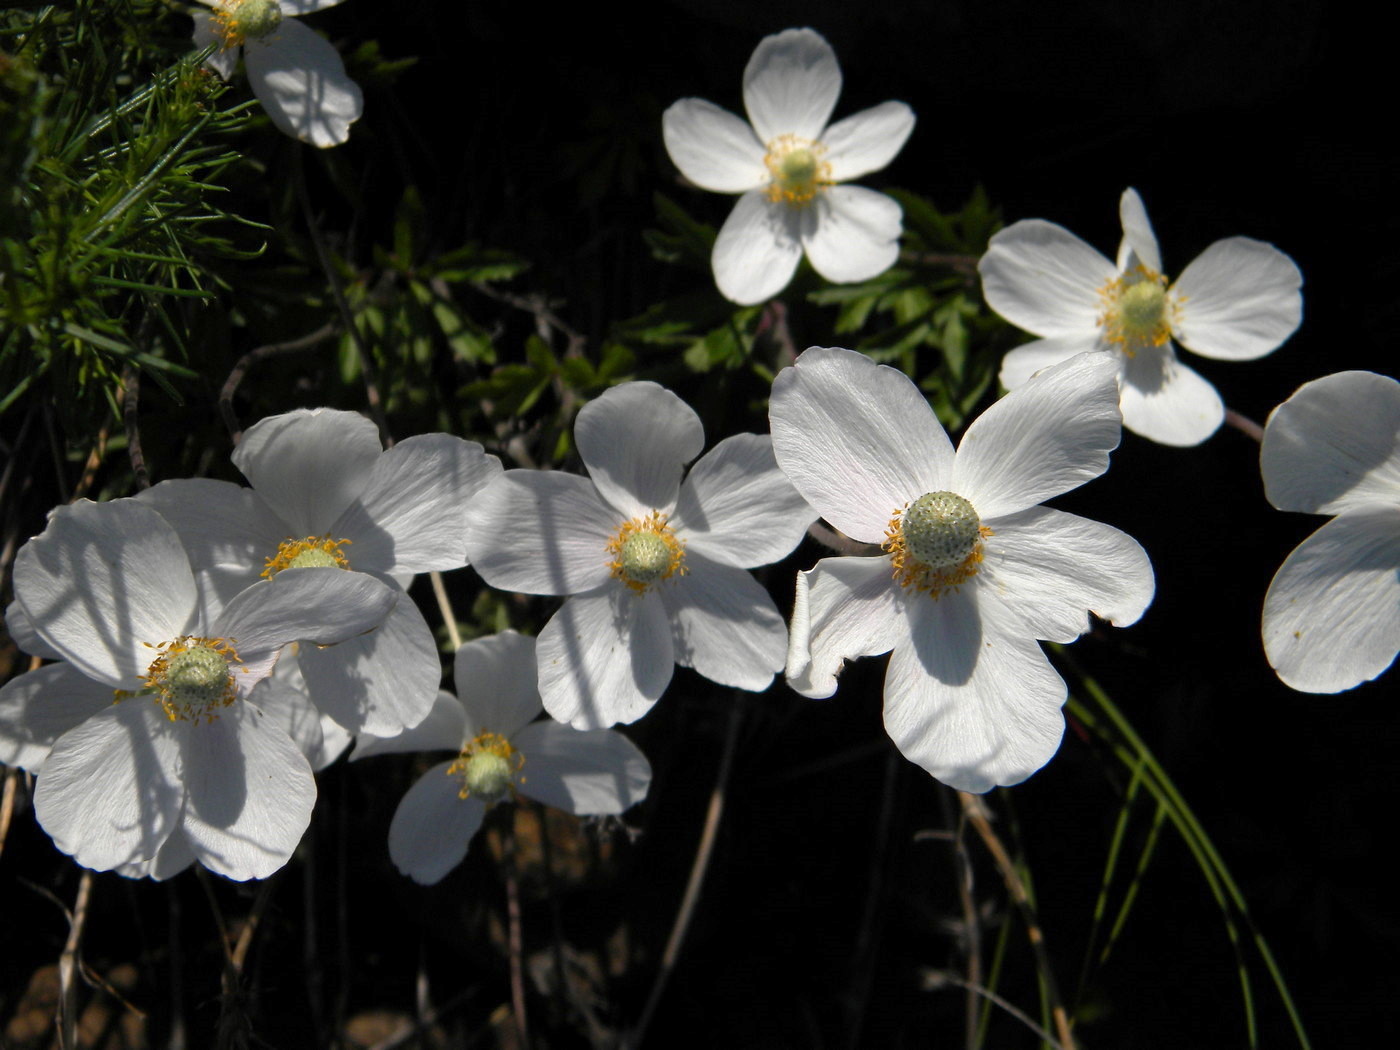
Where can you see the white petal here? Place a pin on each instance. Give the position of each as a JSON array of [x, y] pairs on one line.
[[725, 625], [855, 235], [584, 773], [738, 508], [541, 532], [867, 141], [846, 607], [411, 516], [445, 729], [856, 439], [281, 696], [1048, 436], [302, 7], [973, 707], [1240, 299], [323, 606], [309, 465], [22, 632], [1044, 279], [757, 250], [635, 440], [1049, 568], [1139, 247], [605, 657], [1165, 401], [38, 707], [1332, 613], [300, 80], [110, 791], [498, 682], [791, 85], [712, 147], [102, 583], [1334, 445], [432, 827], [379, 682], [250, 793], [173, 857], [1025, 361], [222, 61]]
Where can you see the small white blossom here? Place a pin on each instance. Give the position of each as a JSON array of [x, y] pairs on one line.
[[786, 164]]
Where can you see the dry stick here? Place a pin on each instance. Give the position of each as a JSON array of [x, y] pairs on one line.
[[865, 942], [7, 804], [976, 813], [94, 460], [1244, 425], [445, 607], [131, 393], [253, 357], [973, 931], [68, 967], [514, 938], [697, 878], [975, 990]]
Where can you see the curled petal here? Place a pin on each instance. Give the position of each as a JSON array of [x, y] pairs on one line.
[[1139, 247], [845, 608]]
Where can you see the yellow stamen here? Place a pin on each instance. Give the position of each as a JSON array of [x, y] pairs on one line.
[[1138, 310], [236, 21], [911, 571], [646, 551], [190, 679], [488, 766], [311, 552], [798, 171]]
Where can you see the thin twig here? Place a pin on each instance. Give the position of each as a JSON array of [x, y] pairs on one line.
[[257, 355], [933, 979], [515, 938], [1244, 425], [976, 813], [94, 460], [68, 966], [963, 264], [239, 955], [7, 804], [697, 878], [445, 607], [131, 393], [864, 954], [829, 537]]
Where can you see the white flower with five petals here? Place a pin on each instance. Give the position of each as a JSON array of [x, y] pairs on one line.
[[975, 569], [1238, 301], [657, 569], [1332, 613], [296, 74], [786, 163]]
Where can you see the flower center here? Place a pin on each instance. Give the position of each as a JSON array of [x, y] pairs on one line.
[[314, 552], [1137, 311], [798, 171], [238, 20], [191, 678], [487, 767], [646, 551], [935, 543]]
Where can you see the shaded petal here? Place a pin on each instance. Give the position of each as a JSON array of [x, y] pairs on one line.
[[281, 696], [38, 707], [1332, 613], [22, 633], [725, 625], [541, 532], [1043, 278], [110, 792], [1165, 401], [1238, 300], [411, 516], [635, 440], [445, 729], [791, 85], [855, 235], [757, 250], [867, 141], [309, 465], [845, 608], [250, 793], [738, 508], [1048, 436], [303, 7], [1334, 445], [605, 657], [335, 739], [712, 147], [301, 81], [499, 683], [1025, 361], [102, 583], [379, 682], [1047, 568], [223, 61], [856, 439], [174, 856], [432, 827], [583, 773], [973, 706], [1139, 247]]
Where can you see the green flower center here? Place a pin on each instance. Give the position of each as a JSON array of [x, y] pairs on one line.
[[646, 551], [314, 558], [238, 20], [1136, 310], [313, 552], [487, 776], [197, 677], [645, 557], [941, 529], [796, 170]]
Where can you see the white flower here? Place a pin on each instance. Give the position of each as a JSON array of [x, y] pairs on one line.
[[975, 569], [182, 763], [657, 568], [1332, 614], [326, 492], [786, 163], [296, 74], [501, 752], [1237, 301]]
